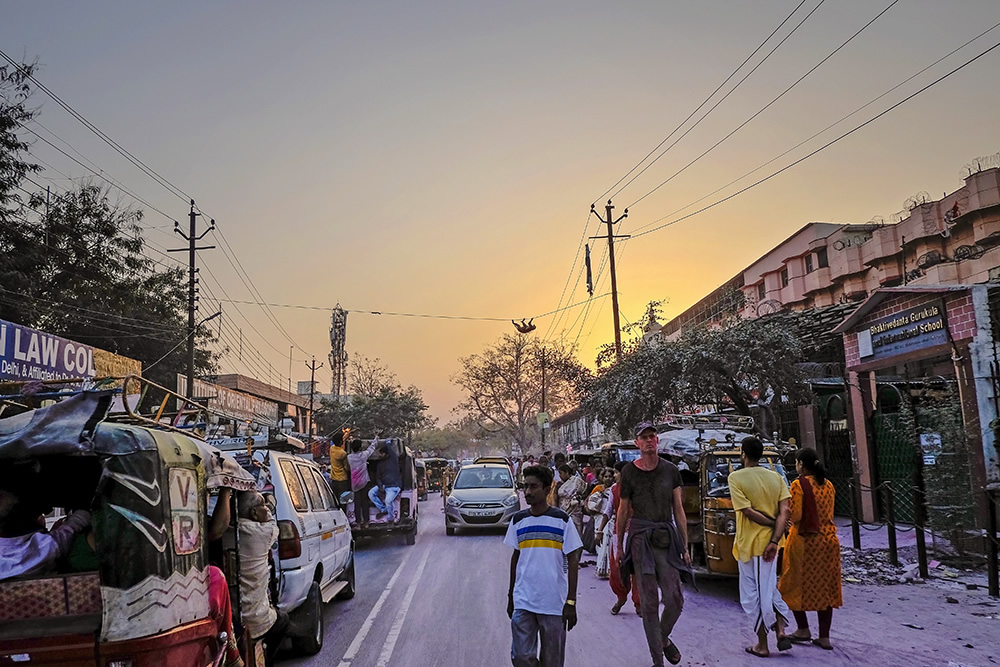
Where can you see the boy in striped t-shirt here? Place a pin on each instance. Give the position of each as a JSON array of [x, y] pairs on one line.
[[543, 574]]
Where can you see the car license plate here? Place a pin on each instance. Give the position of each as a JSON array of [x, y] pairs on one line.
[[482, 512]]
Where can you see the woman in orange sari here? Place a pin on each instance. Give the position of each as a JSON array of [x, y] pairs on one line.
[[810, 578]]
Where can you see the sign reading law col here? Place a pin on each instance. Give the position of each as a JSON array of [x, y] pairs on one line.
[[30, 354], [907, 331]]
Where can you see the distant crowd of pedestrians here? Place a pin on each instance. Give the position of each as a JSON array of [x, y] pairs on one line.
[[633, 515]]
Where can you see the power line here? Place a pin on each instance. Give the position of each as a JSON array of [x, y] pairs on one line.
[[769, 104], [552, 325], [173, 189], [823, 147], [825, 129], [419, 315], [706, 100]]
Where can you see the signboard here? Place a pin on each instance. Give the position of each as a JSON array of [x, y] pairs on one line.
[[930, 445], [543, 419], [30, 354], [231, 403], [907, 331]]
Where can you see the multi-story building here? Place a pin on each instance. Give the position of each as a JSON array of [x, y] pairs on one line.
[[952, 240]]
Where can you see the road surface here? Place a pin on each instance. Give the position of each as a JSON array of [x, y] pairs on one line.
[[442, 602]]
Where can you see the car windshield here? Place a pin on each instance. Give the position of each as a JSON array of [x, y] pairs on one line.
[[719, 468], [628, 454], [484, 478]]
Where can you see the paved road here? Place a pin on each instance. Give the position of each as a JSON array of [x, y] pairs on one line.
[[442, 602]]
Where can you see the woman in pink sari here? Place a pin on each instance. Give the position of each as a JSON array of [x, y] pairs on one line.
[[613, 556]]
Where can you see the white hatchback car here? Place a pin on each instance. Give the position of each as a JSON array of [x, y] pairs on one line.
[[315, 554], [483, 495]]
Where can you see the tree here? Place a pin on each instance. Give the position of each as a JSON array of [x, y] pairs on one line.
[[745, 362], [747, 365], [73, 264], [638, 388], [503, 386], [379, 404]]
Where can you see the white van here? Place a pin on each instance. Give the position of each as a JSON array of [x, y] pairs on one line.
[[315, 552]]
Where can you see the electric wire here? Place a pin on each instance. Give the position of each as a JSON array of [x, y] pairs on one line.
[[825, 129], [586, 225], [713, 93], [769, 104], [823, 147], [170, 187]]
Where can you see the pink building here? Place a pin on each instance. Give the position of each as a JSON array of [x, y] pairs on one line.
[[953, 240]]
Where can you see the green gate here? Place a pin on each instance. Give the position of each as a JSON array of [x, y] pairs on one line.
[[895, 464]]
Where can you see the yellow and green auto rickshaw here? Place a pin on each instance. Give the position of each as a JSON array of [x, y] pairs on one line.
[[136, 591], [707, 450]]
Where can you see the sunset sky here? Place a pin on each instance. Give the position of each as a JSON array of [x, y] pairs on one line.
[[440, 158]]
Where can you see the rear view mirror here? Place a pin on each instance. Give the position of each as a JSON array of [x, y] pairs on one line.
[[346, 498]]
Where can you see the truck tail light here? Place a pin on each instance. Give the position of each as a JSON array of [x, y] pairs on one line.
[[289, 544]]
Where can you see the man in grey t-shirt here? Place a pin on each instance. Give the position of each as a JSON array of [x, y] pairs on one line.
[[652, 512]]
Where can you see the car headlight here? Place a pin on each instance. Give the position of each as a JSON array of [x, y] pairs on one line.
[[454, 502], [510, 500], [730, 526]]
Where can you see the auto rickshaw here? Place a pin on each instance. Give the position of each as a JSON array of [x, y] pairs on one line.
[[435, 473], [421, 468], [141, 596], [707, 451]]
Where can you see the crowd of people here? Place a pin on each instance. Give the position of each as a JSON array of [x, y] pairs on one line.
[[638, 529]]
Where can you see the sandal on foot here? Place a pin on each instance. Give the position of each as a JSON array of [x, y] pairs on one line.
[[617, 608], [800, 640], [672, 653], [827, 647], [752, 650], [784, 643]]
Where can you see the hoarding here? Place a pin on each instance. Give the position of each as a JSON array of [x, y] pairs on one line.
[[906, 331], [30, 354]]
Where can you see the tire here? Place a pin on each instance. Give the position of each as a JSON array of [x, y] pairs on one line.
[[312, 642], [347, 592], [411, 535], [449, 530]]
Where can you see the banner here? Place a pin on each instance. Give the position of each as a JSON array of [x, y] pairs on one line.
[[907, 331], [30, 354], [231, 403]]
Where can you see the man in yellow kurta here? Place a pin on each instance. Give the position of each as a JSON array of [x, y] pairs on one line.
[[760, 498], [340, 468]]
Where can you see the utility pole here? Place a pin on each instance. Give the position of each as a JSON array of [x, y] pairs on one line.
[[192, 237], [543, 396], [312, 390], [610, 222]]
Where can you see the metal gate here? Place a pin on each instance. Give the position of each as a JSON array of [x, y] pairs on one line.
[[896, 465], [836, 438]]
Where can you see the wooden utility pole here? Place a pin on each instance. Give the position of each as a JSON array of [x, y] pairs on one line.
[[543, 429], [611, 222], [192, 237], [312, 390]]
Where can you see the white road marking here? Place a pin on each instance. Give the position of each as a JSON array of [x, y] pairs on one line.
[[352, 650], [397, 625]]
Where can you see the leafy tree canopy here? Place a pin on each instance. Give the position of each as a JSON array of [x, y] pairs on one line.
[[503, 386], [378, 404]]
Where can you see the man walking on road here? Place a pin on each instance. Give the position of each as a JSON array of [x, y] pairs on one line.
[[760, 498], [652, 513], [541, 602]]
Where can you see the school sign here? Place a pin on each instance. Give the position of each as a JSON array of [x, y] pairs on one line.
[[30, 354]]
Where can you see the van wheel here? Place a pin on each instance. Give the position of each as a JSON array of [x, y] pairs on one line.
[[347, 592], [449, 531], [411, 536], [312, 641]]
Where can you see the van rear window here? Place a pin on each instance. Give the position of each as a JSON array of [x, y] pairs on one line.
[[294, 486]]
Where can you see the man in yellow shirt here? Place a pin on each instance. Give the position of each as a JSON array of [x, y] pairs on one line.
[[340, 468], [761, 500]]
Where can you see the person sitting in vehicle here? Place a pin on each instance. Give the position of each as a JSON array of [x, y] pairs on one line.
[[257, 532], [26, 548], [389, 480]]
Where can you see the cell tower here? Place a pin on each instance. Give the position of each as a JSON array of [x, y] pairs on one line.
[[338, 355]]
